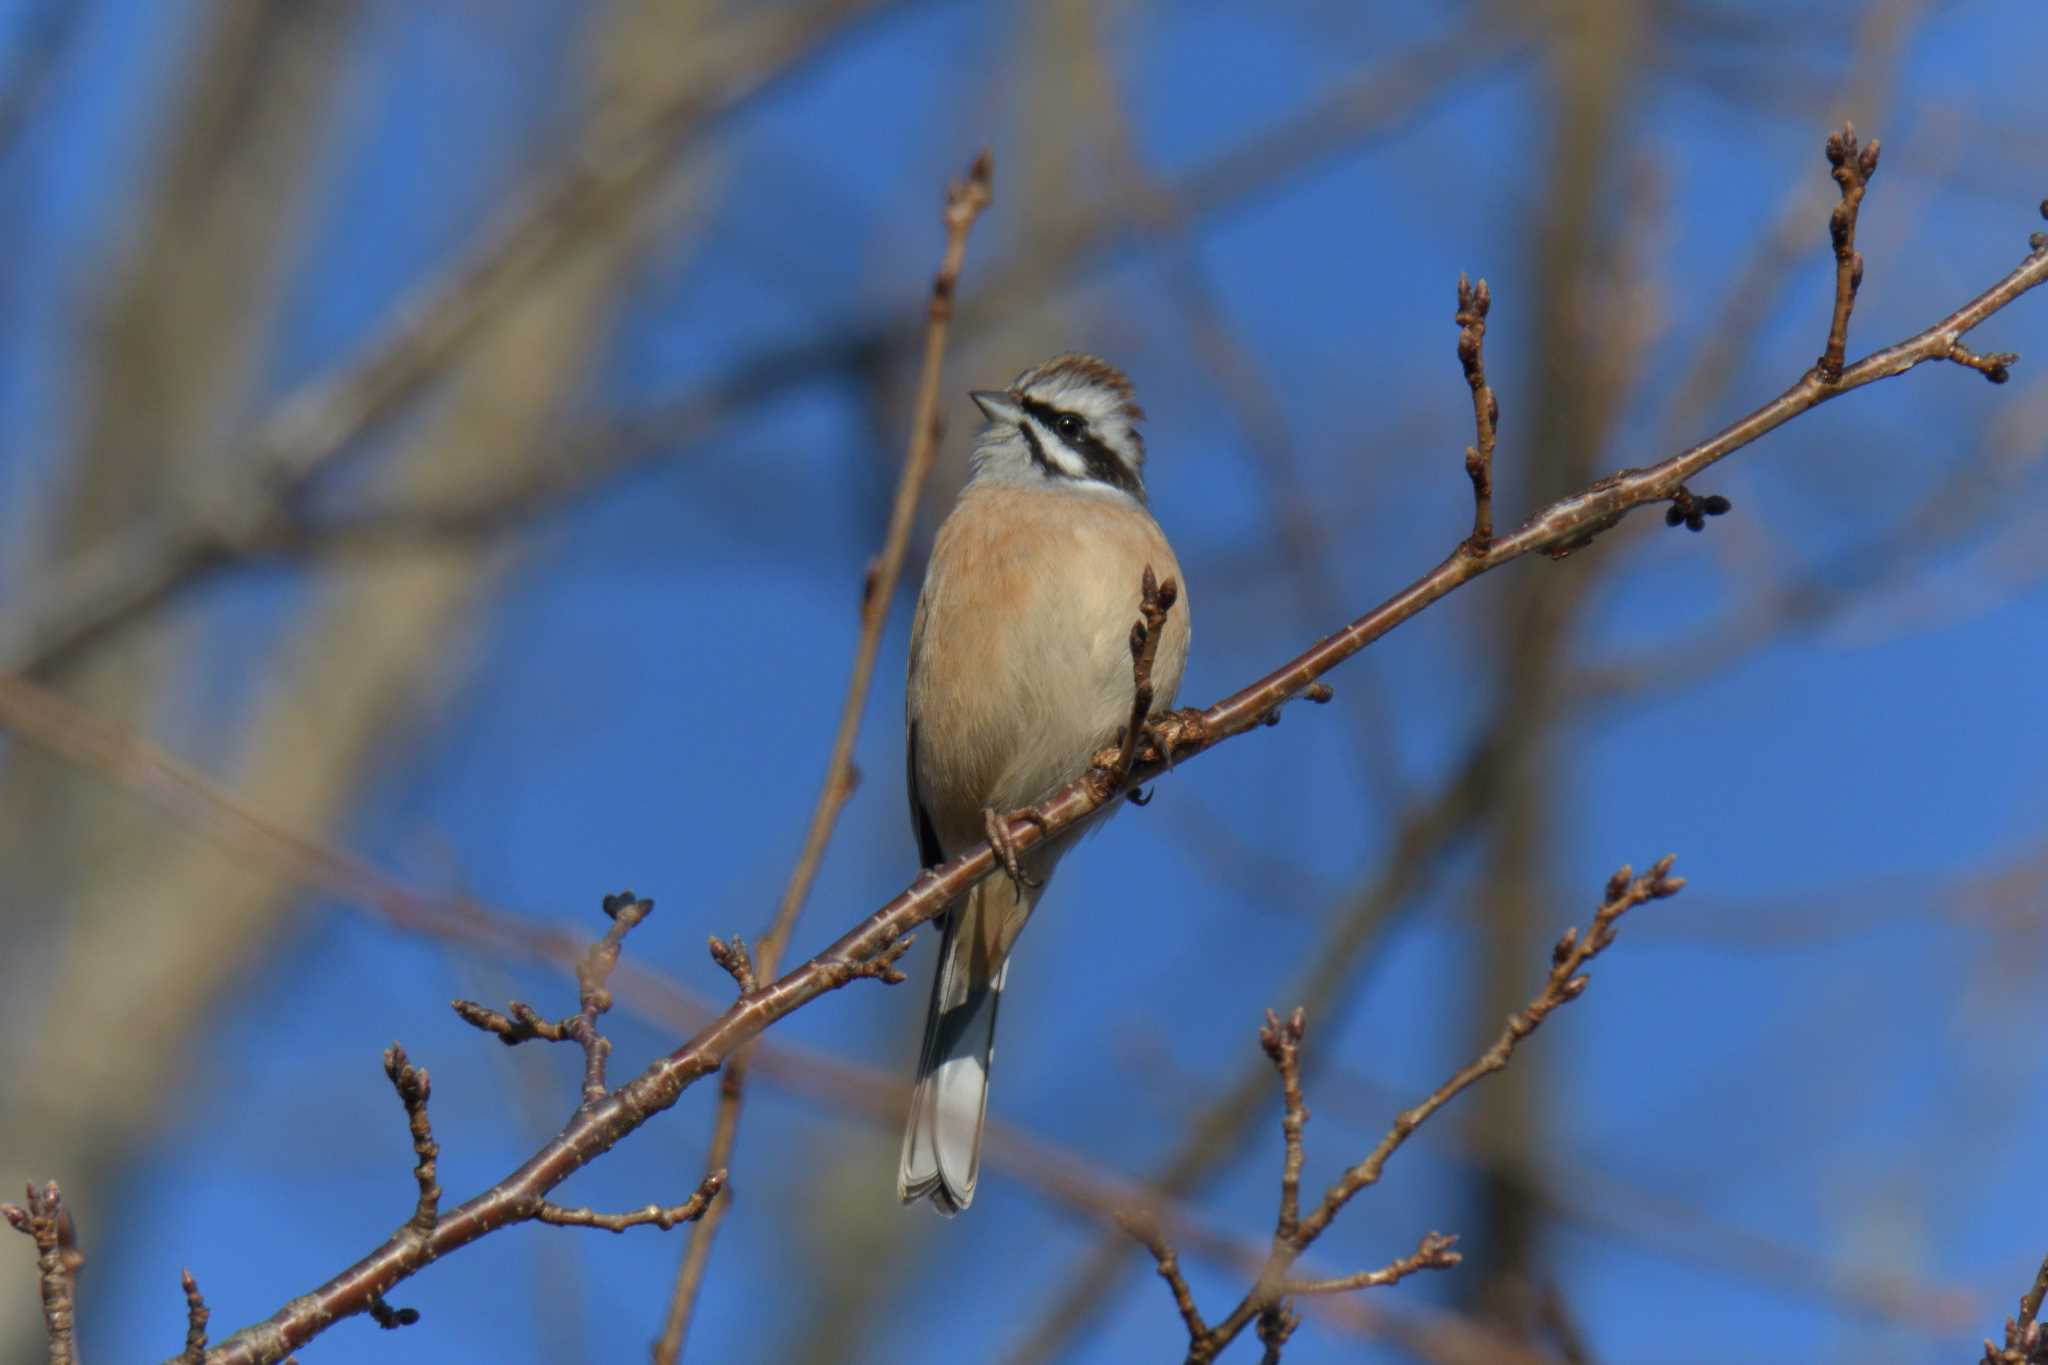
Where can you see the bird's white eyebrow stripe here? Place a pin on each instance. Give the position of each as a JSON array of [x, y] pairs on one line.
[[1063, 462], [1099, 463]]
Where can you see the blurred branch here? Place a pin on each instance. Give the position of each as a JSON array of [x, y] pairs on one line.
[[1972, 494], [1381, 102], [965, 200], [624, 154], [46, 32], [2026, 1338], [1648, 1213], [46, 1222], [1266, 1301]]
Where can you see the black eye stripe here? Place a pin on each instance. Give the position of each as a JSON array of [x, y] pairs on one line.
[[1037, 451], [1101, 462]]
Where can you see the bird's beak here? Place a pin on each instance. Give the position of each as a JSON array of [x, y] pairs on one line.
[[997, 405]]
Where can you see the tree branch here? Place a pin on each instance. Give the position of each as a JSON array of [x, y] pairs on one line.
[[1853, 168], [196, 1316], [2026, 1337], [654, 1215], [413, 1088], [46, 1222], [1266, 1301], [1474, 301]]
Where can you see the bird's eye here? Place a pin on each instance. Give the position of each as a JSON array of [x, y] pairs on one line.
[[1069, 426]]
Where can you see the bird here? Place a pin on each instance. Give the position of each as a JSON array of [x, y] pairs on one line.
[[1020, 673]]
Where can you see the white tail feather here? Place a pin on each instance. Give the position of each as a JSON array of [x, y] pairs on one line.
[[942, 1140]]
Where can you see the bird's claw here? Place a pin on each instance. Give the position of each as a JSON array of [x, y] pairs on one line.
[[998, 830]]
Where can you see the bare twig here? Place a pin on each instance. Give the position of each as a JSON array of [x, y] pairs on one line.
[[1282, 1043], [733, 956], [1112, 766], [46, 1222], [1266, 1300], [1474, 301], [965, 200], [1853, 168], [2026, 1337], [196, 1316], [593, 989], [413, 1089], [1144, 1229], [1433, 1252], [654, 1215]]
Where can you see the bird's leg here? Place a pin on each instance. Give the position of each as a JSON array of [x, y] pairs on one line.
[[1168, 732], [999, 839]]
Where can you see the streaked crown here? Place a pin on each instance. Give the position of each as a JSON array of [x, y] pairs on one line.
[[1071, 421]]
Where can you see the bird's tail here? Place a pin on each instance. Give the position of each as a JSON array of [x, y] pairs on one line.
[[942, 1141]]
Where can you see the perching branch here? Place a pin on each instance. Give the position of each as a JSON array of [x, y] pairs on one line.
[[965, 200], [46, 1222], [1266, 1301]]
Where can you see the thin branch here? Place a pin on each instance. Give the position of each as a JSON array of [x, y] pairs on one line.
[[1112, 766], [100, 593], [2026, 1337], [594, 968], [1433, 1252], [196, 1316], [1853, 168], [654, 1215], [46, 1222], [2030, 1302], [1144, 1229], [1282, 1043], [413, 1088], [1474, 301], [1266, 1299], [965, 200]]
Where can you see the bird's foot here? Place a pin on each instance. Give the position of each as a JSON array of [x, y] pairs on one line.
[[998, 830]]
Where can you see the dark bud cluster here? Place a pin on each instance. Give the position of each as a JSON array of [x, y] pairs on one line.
[[1692, 512]]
